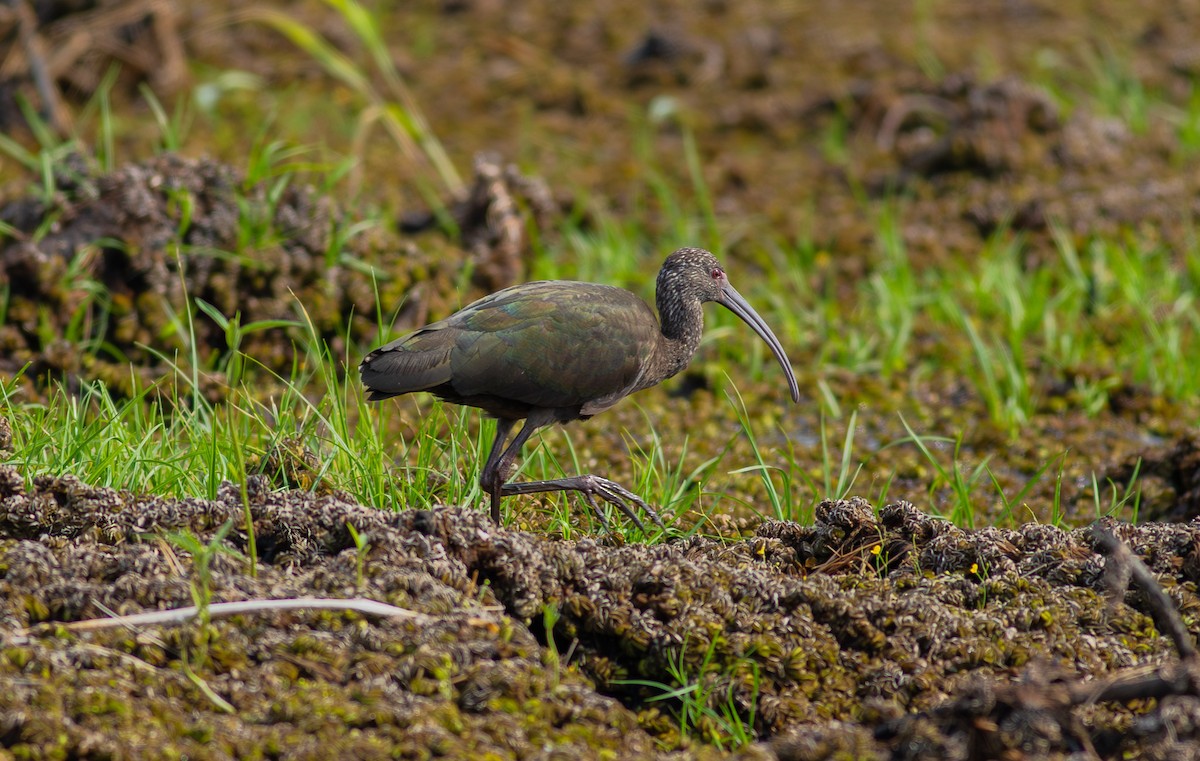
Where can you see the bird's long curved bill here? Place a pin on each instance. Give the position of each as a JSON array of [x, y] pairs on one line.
[[733, 301]]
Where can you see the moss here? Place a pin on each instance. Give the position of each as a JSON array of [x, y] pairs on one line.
[[824, 622]]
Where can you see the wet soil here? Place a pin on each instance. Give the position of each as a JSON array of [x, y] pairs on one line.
[[109, 258], [895, 634], [849, 637]]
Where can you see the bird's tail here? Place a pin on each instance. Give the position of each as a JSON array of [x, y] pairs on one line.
[[405, 366]]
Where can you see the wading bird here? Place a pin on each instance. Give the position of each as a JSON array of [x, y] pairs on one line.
[[553, 351]]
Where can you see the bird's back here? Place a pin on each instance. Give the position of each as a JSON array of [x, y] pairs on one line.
[[554, 344]]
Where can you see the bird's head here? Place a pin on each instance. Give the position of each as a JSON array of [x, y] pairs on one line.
[[693, 273]]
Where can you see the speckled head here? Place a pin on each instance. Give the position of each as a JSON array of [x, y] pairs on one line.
[[692, 272], [691, 276]]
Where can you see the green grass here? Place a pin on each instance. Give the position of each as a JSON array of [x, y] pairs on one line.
[[994, 331], [1106, 314], [704, 697], [1124, 313], [876, 356], [389, 105]]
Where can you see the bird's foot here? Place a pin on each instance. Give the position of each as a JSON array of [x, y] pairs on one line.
[[591, 487], [617, 495]]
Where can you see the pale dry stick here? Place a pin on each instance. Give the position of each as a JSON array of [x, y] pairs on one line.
[[215, 610]]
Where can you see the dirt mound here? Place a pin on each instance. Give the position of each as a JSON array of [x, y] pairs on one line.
[[817, 637], [110, 259], [460, 678], [1170, 479], [972, 157], [103, 269]]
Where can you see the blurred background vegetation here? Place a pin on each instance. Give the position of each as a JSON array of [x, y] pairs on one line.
[[971, 224]]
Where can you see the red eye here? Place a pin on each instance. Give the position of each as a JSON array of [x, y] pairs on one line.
[[717, 273]]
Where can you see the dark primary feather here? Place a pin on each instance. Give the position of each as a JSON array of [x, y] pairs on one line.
[[416, 362], [563, 345]]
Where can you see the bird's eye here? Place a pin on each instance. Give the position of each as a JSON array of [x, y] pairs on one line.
[[717, 273]]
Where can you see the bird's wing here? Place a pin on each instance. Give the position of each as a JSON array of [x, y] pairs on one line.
[[553, 344]]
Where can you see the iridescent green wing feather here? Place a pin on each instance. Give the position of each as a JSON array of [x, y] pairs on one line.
[[552, 344]]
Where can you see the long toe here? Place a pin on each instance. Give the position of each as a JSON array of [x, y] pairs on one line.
[[591, 500], [618, 495]]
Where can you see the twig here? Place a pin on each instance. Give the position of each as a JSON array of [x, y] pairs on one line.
[[1179, 678], [215, 610], [1129, 566], [35, 54], [1138, 684]]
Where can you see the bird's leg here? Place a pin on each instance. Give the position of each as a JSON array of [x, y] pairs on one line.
[[500, 461], [491, 478], [591, 487]]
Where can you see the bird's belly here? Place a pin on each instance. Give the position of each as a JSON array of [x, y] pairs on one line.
[[507, 408]]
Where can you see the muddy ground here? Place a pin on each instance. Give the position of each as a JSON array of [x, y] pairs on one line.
[[899, 636], [861, 635]]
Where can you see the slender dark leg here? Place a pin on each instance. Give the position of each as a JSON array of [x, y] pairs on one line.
[[492, 476], [500, 460]]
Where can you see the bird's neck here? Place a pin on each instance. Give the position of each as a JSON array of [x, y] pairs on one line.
[[682, 325]]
